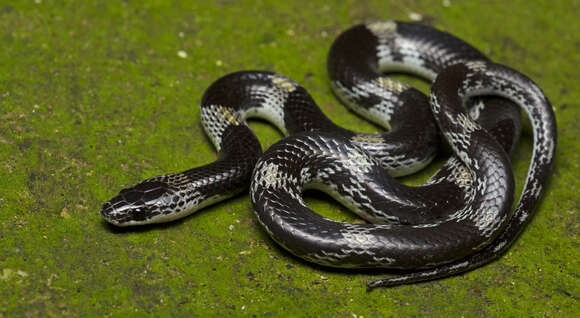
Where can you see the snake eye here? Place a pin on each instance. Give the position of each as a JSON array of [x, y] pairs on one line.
[[139, 214]]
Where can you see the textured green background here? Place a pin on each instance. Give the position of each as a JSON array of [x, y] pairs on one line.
[[94, 97]]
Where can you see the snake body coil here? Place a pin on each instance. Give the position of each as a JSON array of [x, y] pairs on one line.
[[459, 220]]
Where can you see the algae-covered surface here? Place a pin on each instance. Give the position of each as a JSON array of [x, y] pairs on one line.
[[98, 95]]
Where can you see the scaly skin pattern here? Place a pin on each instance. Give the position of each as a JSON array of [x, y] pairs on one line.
[[225, 107], [539, 110], [327, 161], [408, 146], [459, 213]]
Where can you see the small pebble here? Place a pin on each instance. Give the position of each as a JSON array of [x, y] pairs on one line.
[[415, 16]]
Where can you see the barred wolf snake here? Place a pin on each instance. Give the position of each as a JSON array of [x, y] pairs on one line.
[[459, 220]]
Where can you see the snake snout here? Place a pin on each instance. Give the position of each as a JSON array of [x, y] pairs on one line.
[[137, 205]]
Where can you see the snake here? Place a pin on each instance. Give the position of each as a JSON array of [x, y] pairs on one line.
[[459, 220]]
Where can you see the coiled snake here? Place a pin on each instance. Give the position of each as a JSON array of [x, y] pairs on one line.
[[459, 220]]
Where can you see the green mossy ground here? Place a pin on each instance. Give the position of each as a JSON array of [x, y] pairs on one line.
[[95, 97]]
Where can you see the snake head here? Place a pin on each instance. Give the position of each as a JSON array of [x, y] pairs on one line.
[[150, 201]]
